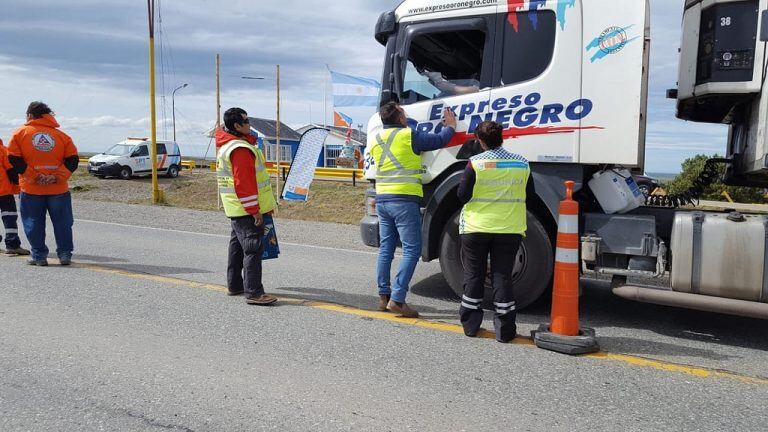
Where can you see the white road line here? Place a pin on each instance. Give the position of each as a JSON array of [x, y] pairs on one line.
[[221, 236]]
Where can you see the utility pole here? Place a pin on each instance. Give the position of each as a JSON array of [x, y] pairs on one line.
[[156, 193], [218, 91]]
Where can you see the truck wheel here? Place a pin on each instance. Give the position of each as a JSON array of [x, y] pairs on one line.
[[173, 171], [126, 173], [532, 273]]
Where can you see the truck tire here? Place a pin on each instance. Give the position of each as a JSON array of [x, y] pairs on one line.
[[126, 173], [533, 271], [173, 171]]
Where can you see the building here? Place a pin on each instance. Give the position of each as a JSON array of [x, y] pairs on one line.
[[266, 131], [334, 143]]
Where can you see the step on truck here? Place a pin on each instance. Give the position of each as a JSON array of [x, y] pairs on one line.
[[568, 80]]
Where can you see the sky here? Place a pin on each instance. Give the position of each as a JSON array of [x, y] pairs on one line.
[[88, 60]]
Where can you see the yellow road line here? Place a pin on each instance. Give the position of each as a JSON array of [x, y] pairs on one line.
[[699, 372]]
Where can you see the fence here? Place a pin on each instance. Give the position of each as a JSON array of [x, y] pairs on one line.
[[320, 173]]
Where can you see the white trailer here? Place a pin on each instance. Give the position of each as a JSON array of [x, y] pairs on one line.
[[568, 81]]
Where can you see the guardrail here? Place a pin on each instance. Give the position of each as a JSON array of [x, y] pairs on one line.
[[320, 173]]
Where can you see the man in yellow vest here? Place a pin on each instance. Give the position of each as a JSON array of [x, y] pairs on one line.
[[246, 194], [397, 155], [493, 189]]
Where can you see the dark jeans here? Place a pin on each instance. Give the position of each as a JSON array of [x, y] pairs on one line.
[[33, 211], [475, 249], [10, 218], [245, 251]]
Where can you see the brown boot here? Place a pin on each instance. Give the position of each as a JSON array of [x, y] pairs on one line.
[[383, 300], [261, 300], [402, 309]]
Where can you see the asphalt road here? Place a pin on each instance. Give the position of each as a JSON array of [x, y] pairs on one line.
[[138, 336]]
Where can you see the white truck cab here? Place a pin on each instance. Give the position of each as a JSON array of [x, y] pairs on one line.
[[568, 81], [132, 158]]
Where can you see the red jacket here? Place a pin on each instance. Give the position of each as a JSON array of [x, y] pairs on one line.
[[6, 186], [243, 170]]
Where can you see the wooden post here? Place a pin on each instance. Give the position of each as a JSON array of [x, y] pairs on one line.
[[156, 194], [218, 120], [279, 194]]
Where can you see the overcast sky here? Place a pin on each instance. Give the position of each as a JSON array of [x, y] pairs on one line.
[[88, 60]]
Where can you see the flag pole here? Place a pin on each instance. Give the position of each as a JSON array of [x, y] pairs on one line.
[[278, 134]]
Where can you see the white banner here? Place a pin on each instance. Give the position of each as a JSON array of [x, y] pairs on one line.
[[304, 163]]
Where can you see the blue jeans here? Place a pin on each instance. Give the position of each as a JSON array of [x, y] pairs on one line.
[[398, 220], [33, 210]]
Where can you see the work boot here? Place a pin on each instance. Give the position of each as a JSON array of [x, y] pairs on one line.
[[402, 309], [235, 293], [16, 251], [383, 301], [261, 300], [40, 263]]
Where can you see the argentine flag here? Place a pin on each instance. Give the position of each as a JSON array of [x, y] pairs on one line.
[[350, 90]]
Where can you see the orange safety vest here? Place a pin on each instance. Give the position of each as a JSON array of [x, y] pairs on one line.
[[43, 147], [6, 187]]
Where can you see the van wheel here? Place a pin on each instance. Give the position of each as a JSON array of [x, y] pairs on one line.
[[173, 171], [126, 173], [532, 274]]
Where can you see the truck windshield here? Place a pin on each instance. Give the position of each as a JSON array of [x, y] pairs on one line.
[[443, 64], [120, 150]]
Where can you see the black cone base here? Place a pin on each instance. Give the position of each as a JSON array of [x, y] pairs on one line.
[[584, 343]]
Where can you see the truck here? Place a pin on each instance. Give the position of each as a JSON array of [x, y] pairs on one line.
[[131, 158], [568, 81]]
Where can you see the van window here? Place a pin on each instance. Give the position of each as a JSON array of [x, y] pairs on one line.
[[529, 44], [141, 150], [443, 64], [161, 149]]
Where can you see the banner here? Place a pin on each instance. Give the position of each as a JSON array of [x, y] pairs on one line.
[[302, 170]]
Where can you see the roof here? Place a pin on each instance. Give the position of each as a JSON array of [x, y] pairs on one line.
[[268, 129], [341, 132]]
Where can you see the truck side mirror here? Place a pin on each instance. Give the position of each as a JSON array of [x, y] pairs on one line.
[[764, 26]]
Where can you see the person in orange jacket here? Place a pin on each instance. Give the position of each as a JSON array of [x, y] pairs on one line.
[[45, 158], [9, 186]]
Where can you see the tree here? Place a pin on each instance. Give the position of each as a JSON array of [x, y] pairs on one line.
[[694, 166]]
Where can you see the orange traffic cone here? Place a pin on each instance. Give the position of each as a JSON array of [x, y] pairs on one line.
[[563, 333]]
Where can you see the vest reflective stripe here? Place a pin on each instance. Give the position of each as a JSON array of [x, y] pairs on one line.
[[498, 198], [233, 205], [398, 168]]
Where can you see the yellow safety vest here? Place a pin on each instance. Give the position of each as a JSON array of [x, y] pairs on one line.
[[398, 168], [229, 199], [498, 198]]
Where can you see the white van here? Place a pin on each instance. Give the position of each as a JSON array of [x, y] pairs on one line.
[[131, 158]]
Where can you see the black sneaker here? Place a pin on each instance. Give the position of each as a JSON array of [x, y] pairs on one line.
[[65, 261], [39, 263]]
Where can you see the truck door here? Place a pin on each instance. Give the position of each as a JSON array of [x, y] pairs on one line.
[[162, 157], [536, 79], [444, 63]]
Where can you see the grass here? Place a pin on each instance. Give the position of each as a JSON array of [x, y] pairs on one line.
[[329, 201]]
